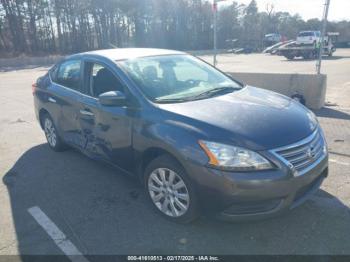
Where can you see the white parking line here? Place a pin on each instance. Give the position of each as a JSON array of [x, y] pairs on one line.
[[339, 162], [57, 235]]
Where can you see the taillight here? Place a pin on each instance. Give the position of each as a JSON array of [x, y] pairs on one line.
[[33, 88]]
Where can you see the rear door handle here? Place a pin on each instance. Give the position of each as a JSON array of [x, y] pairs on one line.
[[52, 100], [86, 113]]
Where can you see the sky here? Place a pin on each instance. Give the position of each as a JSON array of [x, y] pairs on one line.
[[339, 9]]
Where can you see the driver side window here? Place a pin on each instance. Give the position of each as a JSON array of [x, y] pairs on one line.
[[102, 80]]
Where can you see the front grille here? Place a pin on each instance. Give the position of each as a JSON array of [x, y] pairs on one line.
[[300, 156]]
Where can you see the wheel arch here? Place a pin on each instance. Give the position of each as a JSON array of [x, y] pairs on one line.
[[42, 113], [150, 154]]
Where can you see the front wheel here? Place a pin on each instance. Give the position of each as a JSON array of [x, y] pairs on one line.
[[170, 190]]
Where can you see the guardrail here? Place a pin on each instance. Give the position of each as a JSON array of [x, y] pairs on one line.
[[26, 61]]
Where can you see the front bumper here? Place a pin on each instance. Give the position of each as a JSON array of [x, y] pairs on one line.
[[256, 195]]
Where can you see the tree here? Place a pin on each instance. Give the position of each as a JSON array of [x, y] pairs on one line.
[[250, 22]]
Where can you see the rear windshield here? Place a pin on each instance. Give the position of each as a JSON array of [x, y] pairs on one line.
[[307, 34]]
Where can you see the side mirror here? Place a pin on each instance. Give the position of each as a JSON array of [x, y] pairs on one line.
[[112, 98]]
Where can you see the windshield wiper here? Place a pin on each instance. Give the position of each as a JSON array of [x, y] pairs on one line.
[[171, 100], [215, 91], [206, 94]]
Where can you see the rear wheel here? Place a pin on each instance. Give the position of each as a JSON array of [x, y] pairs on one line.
[[312, 55], [287, 54], [52, 137], [170, 190]]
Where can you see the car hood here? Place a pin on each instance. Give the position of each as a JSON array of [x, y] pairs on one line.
[[252, 117]]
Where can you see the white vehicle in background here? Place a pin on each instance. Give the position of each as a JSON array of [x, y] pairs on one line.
[[292, 50], [308, 38]]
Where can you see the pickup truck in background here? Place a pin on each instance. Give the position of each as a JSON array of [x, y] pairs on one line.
[[308, 37]]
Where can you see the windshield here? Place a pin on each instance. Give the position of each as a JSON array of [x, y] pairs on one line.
[[306, 34], [177, 78]]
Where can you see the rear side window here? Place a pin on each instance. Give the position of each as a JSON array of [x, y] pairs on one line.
[[68, 74]]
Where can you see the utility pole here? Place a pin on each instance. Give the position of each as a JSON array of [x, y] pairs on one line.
[[215, 12], [324, 27]]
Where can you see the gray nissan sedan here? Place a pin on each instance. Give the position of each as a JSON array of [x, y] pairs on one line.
[[198, 140]]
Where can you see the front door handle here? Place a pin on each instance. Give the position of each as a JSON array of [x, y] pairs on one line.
[[52, 100], [86, 113]]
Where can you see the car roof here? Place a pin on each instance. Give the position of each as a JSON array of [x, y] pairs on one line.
[[129, 53]]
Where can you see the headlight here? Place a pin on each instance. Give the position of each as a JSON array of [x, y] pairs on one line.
[[233, 157]]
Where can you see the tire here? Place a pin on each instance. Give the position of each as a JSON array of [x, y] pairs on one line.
[[52, 137], [312, 55], [177, 209]]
